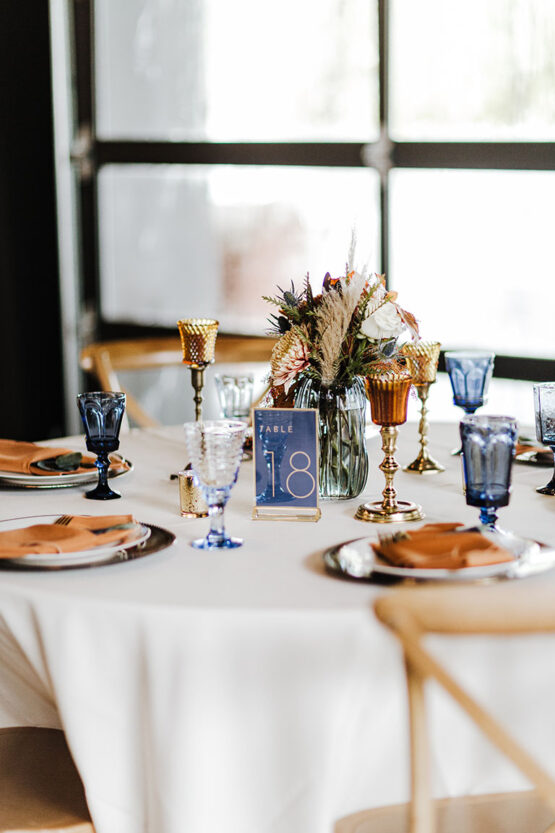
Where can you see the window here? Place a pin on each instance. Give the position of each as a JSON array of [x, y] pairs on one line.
[[234, 146]]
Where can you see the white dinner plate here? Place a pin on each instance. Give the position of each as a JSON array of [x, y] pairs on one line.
[[103, 552], [357, 559], [60, 481]]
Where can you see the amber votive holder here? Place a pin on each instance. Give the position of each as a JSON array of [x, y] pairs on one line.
[[422, 358], [191, 499], [198, 340], [388, 394]]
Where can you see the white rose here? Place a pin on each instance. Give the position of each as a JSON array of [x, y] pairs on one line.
[[385, 322]]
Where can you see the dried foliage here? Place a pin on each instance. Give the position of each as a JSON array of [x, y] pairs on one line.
[[323, 336]]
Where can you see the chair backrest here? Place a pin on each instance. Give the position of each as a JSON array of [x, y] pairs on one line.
[[411, 615], [105, 359]]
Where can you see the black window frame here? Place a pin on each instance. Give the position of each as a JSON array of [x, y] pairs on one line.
[[91, 154]]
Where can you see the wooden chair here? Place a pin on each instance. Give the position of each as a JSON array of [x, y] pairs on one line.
[[411, 614], [40, 789], [104, 359]]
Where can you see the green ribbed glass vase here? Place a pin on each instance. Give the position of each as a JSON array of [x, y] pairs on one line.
[[342, 421]]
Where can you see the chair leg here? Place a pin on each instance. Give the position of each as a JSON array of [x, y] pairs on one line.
[[422, 811]]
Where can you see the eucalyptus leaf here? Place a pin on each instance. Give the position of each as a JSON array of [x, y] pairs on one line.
[[129, 525], [63, 462], [70, 461]]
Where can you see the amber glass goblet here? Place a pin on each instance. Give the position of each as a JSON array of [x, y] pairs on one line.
[[388, 394]]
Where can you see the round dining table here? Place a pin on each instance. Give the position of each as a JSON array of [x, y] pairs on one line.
[[251, 690]]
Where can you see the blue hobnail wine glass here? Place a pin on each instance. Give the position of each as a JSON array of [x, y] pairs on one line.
[[488, 446], [544, 408], [101, 414], [470, 372], [214, 449]]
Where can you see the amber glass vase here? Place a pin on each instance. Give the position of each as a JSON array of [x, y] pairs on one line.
[[387, 391]]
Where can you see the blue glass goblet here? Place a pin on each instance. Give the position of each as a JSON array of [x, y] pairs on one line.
[[488, 445], [214, 449], [544, 407], [101, 414], [470, 372]]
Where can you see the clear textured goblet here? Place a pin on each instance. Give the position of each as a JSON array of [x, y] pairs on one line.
[[488, 445], [214, 449], [101, 415], [544, 408], [470, 372]]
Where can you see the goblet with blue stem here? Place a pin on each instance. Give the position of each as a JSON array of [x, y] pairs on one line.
[[488, 445], [214, 449], [470, 372], [544, 407], [101, 415]]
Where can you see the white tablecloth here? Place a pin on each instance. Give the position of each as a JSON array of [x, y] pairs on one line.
[[245, 691]]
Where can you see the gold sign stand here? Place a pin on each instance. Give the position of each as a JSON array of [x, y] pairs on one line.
[[260, 513]]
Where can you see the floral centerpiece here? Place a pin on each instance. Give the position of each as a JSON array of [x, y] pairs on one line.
[[326, 343]]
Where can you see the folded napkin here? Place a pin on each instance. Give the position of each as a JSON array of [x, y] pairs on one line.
[[542, 452], [73, 537], [441, 546], [22, 457]]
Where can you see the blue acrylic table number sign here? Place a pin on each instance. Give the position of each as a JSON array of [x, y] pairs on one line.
[[286, 464]]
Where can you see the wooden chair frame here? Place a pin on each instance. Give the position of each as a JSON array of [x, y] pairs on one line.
[[104, 359], [492, 611]]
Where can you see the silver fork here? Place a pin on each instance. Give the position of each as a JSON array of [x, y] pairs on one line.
[[63, 520]]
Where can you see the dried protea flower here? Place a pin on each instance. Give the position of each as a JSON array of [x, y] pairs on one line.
[[280, 399], [289, 358]]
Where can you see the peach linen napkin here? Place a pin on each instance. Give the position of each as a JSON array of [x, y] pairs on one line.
[[542, 452], [18, 456], [54, 538], [441, 546]]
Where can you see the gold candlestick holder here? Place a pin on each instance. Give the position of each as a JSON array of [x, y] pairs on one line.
[[388, 394], [198, 341], [422, 359]]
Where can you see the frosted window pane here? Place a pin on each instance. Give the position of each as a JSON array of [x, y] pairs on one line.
[[473, 69], [179, 241], [236, 71], [473, 255]]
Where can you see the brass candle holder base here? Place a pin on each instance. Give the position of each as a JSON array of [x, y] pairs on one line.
[[389, 510], [376, 513], [424, 463]]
